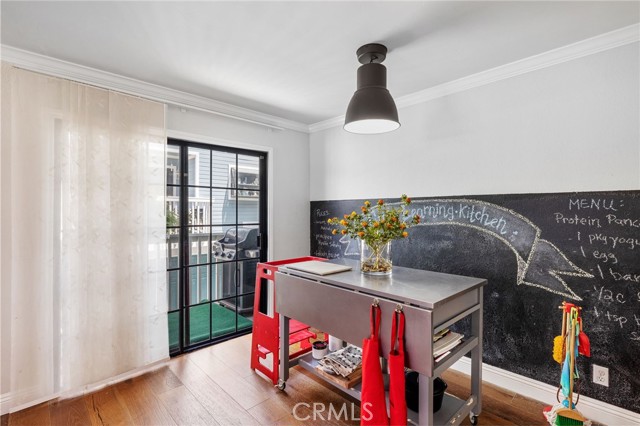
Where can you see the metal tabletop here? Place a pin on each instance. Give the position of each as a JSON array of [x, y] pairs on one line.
[[425, 289]]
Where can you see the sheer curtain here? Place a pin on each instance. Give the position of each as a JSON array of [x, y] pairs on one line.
[[82, 227]]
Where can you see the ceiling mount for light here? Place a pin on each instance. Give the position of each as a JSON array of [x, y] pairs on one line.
[[371, 109]]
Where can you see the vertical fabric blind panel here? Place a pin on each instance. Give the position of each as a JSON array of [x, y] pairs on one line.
[[82, 226]]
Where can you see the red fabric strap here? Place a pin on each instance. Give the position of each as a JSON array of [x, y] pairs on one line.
[[397, 399], [397, 333]]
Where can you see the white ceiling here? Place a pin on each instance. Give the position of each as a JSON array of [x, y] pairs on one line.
[[297, 60]]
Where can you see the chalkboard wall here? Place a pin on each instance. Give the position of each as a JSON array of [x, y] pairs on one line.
[[536, 250]]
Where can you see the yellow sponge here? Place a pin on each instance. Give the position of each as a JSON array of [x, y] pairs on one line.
[[558, 346]]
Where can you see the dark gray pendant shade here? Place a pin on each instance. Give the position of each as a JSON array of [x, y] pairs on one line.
[[371, 109]]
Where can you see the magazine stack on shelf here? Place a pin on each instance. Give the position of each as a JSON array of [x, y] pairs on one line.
[[443, 342]]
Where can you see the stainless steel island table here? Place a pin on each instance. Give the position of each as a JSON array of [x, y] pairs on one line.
[[339, 304]]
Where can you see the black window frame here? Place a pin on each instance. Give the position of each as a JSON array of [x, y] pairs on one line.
[[183, 227]]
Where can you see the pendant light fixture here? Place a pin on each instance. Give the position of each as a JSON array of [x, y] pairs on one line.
[[371, 109]]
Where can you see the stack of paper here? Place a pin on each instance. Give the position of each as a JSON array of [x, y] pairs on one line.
[[443, 343], [440, 334], [343, 361]]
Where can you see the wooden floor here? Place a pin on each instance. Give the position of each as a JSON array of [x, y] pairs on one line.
[[215, 386]]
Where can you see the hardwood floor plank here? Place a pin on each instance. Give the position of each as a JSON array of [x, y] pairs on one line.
[[288, 420], [105, 408], [38, 415], [162, 380], [185, 409], [142, 403], [269, 412], [185, 370], [220, 404], [244, 393], [240, 365], [69, 412], [209, 363], [235, 354]]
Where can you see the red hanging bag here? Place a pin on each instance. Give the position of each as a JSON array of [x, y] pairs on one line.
[[397, 398], [373, 407]]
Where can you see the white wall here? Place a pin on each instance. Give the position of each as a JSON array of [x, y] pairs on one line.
[[574, 126], [289, 170]]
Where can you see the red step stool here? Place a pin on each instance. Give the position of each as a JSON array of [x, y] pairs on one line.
[[265, 339]]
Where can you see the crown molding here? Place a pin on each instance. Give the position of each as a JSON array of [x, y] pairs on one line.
[[71, 71], [59, 68], [602, 42]]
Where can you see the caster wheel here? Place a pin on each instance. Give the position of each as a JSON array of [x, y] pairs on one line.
[[473, 419], [281, 385]]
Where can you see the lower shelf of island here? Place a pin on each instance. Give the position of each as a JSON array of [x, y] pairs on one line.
[[452, 411], [309, 363]]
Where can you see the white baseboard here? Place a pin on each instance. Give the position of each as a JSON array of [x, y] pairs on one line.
[[593, 409], [8, 400]]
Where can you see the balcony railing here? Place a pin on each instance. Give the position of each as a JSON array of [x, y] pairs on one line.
[[199, 211]]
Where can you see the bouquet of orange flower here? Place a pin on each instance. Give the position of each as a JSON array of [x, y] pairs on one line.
[[376, 226]]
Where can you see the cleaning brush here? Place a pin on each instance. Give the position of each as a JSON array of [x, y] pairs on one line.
[[559, 341], [569, 416]]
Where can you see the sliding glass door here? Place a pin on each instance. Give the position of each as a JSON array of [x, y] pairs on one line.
[[216, 234]]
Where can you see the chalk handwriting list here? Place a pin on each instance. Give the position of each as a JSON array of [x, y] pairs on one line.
[[607, 254]]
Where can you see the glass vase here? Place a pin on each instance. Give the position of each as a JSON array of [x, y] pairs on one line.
[[375, 258]]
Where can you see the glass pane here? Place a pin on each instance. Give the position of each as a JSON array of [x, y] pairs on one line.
[[224, 175], [199, 317], [198, 280], [247, 276], [199, 206], [199, 245], [173, 194], [223, 246], [224, 279], [199, 167], [172, 206], [173, 165], [248, 239], [224, 208], [173, 278], [248, 174], [173, 248], [248, 209], [245, 311], [174, 330], [223, 318]]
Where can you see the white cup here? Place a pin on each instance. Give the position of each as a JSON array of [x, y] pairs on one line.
[[334, 344], [319, 349]]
